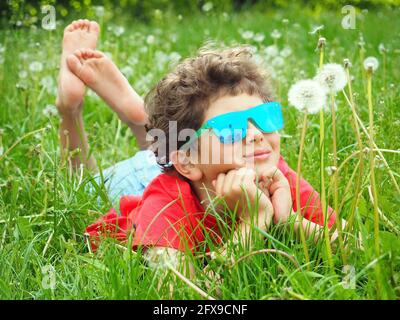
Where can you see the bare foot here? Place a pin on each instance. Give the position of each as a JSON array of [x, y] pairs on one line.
[[100, 74], [71, 90]]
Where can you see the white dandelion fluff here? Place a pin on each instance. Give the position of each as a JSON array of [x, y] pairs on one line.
[[36, 66], [307, 95], [50, 111], [161, 258], [332, 76], [119, 31], [275, 34], [208, 6], [127, 71], [271, 51], [286, 52], [150, 39], [259, 37], [246, 35], [371, 63]]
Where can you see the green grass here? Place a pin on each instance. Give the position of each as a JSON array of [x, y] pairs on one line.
[[44, 209]]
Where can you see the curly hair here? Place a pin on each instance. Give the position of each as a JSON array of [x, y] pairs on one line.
[[185, 93]]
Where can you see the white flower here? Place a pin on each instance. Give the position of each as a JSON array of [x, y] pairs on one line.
[[150, 39], [127, 71], [371, 63], [246, 35], [99, 10], [174, 58], [36, 66], [207, 6], [119, 30], [330, 170], [275, 34], [332, 76], [278, 62], [316, 29], [132, 60], [259, 37], [161, 258], [22, 74], [48, 83], [271, 51], [50, 110], [286, 52], [307, 95], [382, 49]]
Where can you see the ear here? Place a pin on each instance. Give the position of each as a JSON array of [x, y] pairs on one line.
[[185, 166]]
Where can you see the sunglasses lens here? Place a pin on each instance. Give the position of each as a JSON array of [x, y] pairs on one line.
[[268, 117]]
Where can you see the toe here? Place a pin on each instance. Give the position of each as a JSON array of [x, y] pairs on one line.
[[94, 27], [74, 64], [85, 24]]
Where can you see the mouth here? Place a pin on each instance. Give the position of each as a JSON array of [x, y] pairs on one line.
[[259, 154]]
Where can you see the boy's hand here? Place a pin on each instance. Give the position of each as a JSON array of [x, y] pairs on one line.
[[275, 184], [233, 187]]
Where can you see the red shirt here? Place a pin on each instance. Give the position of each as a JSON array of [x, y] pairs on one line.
[[169, 214]]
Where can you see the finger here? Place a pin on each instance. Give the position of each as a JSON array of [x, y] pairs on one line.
[[219, 183], [237, 183], [228, 181]]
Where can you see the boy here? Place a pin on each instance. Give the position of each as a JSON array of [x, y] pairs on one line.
[[218, 91]]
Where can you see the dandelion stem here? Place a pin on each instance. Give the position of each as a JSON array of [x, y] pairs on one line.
[[378, 150], [321, 46], [372, 179], [298, 177], [361, 156], [335, 179], [189, 283]]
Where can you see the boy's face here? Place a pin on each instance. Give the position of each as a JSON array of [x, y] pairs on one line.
[[257, 150]]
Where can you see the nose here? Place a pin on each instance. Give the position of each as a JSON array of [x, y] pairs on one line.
[[253, 133]]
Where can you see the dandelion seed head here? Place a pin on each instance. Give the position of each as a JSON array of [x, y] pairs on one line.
[[127, 71], [382, 49], [246, 35], [271, 51], [371, 63], [278, 62], [307, 95], [150, 39], [347, 63], [330, 170], [316, 29], [332, 76], [321, 42], [99, 11], [275, 34], [259, 37], [286, 52], [208, 6], [36, 66], [119, 31], [23, 74], [161, 258]]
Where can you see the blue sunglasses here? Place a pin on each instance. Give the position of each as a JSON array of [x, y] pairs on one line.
[[232, 126]]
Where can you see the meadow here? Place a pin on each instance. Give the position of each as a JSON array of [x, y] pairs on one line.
[[45, 206]]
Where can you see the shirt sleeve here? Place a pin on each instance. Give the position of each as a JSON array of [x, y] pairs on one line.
[[310, 202], [164, 222]]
